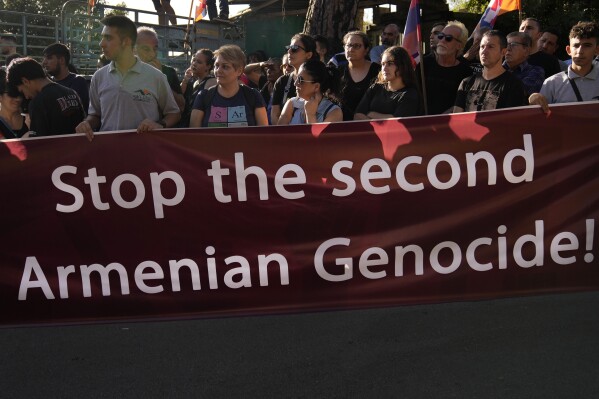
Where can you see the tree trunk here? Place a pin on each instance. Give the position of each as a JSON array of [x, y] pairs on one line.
[[331, 18]]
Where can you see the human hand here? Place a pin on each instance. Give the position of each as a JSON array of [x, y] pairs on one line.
[[85, 127], [148, 125]]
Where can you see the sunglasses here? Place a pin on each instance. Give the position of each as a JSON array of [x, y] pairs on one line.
[[448, 38], [294, 48], [300, 80]]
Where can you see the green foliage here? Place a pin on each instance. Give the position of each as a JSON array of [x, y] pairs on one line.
[[118, 12]]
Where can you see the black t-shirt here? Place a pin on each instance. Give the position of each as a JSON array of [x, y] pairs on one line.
[[478, 94], [404, 102], [80, 85], [55, 110], [282, 86], [548, 62], [441, 83], [351, 92]]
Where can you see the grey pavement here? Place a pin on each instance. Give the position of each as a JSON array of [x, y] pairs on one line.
[[532, 347]]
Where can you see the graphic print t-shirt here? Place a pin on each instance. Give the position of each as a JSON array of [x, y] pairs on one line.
[[228, 112]]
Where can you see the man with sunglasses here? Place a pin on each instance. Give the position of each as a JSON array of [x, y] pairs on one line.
[[495, 87], [443, 70], [518, 48]]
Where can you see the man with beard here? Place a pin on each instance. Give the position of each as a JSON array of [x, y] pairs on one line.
[[388, 38], [57, 58], [495, 87], [443, 71], [550, 65]]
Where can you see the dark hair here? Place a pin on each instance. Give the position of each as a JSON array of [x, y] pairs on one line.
[[27, 68], [552, 30], [585, 30], [322, 40], [501, 36], [404, 63], [360, 34], [125, 27], [326, 76], [536, 21], [208, 54], [527, 40], [438, 23], [308, 42], [12, 57], [59, 50]]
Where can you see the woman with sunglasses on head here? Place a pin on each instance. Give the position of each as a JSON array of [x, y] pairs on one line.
[[197, 78], [443, 69], [301, 49], [313, 83], [229, 103], [12, 123], [359, 73], [395, 94]]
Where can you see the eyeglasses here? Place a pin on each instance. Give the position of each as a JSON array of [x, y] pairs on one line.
[[354, 46], [448, 38], [387, 63], [294, 48], [513, 45], [300, 80]]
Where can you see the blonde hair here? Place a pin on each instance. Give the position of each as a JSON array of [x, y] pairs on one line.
[[233, 54]]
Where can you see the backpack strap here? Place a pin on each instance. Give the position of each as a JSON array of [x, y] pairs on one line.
[[326, 111], [250, 98]]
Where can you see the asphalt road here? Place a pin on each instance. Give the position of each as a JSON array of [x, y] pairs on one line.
[[534, 347]]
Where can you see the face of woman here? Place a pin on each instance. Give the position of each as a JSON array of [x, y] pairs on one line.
[[355, 49], [225, 72], [11, 104], [199, 66], [389, 69], [297, 53], [305, 85]]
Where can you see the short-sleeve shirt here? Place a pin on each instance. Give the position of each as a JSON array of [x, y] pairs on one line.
[[172, 78], [352, 92], [558, 89], [123, 101], [80, 85], [229, 112], [283, 90], [479, 94], [441, 83], [55, 110], [400, 103]]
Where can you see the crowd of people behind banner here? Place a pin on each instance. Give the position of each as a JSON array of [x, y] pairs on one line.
[[132, 89]]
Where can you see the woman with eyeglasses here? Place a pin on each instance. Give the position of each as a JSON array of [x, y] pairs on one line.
[[301, 49], [359, 73], [311, 105], [197, 78], [229, 103], [395, 94], [12, 123], [444, 70]]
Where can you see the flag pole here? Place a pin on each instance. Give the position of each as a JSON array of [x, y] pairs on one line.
[[186, 42], [422, 79], [519, 12]]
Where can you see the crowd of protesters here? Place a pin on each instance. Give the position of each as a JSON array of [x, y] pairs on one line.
[[132, 89]]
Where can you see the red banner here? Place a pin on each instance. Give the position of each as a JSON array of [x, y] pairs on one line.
[[195, 223]]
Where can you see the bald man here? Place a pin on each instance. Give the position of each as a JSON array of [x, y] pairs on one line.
[[388, 38]]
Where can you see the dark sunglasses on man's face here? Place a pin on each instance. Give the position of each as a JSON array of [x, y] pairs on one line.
[[448, 38], [294, 48]]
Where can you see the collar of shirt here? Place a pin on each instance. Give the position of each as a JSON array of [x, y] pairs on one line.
[[593, 75], [135, 68], [519, 68]]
